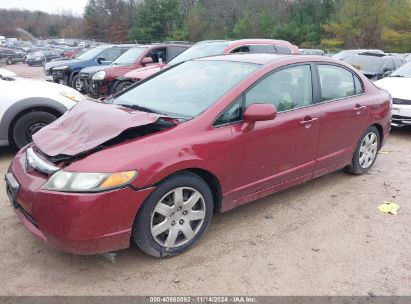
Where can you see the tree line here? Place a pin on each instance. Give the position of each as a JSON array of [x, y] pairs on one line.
[[329, 24]]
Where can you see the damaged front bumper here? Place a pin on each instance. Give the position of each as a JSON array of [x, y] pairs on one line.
[[81, 223], [401, 114]]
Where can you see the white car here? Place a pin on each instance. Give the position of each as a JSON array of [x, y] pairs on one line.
[[27, 105], [399, 84]]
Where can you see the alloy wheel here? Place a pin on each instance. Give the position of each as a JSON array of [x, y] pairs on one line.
[[368, 150], [177, 217]]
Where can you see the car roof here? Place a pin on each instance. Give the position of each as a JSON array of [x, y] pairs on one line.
[[264, 58]]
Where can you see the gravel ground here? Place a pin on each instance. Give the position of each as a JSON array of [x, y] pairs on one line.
[[325, 237]]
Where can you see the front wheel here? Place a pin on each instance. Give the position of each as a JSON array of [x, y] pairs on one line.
[[122, 86], [366, 152], [28, 124], [78, 84], [9, 61], [175, 216]]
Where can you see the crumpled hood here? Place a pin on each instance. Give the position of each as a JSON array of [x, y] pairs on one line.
[[88, 125]]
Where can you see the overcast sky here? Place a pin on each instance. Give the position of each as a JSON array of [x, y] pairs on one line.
[[49, 6]]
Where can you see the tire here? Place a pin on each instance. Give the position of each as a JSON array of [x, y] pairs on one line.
[[28, 124], [121, 86], [177, 220], [75, 84], [9, 61], [366, 153]]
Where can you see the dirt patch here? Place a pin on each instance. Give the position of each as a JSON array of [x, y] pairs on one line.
[[325, 237]]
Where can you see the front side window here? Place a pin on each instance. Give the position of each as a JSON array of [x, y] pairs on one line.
[[158, 54], [241, 49], [130, 56], [287, 89], [336, 82], [232, 114], [188, 89]]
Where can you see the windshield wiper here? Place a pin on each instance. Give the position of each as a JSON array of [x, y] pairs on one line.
[[148, 110], [140, 108], [396, 76]]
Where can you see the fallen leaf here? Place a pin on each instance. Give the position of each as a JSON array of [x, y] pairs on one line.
[[388, 207]]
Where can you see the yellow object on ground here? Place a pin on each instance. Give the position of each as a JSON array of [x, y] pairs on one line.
[[388, 207]]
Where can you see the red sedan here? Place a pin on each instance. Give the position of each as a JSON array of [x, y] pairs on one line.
[[151, 165]]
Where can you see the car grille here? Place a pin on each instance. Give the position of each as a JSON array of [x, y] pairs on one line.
[[401, 101], [84, 75]]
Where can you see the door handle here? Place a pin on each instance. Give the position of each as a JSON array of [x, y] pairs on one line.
[[359, 108], [308, 121]]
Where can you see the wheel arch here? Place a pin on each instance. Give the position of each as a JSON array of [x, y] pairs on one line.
[[380, 131], [209, 177], [23, 107]]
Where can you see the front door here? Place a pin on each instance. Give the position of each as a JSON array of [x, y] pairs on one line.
[[274, 152]]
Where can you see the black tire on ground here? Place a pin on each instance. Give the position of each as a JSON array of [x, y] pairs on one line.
[[28, 124], [142, 235], [75, 79], [121, 86], [9, 61], [355, 167]]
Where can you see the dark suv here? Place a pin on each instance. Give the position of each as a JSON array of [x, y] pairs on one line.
[[103, 81], [12, 56], [66, 71]]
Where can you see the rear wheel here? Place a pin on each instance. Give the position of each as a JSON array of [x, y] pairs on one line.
[[28, 124], [175, 216], [366, 152]]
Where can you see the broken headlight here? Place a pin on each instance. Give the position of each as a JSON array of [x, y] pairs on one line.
[[99, 75], [65, 181]]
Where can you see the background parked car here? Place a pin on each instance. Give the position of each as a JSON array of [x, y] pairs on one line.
[[103, 81], [39, 58], [399, 84], [66, 72], [375, 66], [346, 53], [12, 56], [28, 105], [216, 47], [317, 52]]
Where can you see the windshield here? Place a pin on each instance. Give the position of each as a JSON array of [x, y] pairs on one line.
[[201, 50], [36, 54], [188, 89], [90, 54], [344, 54], [130, 56], [404, 71], [365, 63]]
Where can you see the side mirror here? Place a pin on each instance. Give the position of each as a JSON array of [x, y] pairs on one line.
[[258, 112], [146, 60], [100, 59], [387, 72]]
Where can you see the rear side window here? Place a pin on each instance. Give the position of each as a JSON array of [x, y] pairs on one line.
[[262, 48], [283, 49], [337, 82], [241, 49], [287, 89]]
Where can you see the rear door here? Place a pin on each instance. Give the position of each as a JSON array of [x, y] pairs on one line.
[[344, 110]]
